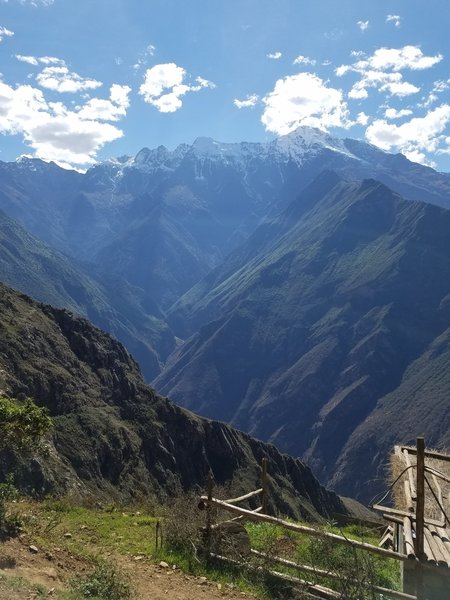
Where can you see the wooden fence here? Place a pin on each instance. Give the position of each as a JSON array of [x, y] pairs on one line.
[[208, 502]]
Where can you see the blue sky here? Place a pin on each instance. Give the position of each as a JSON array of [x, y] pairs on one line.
[[85, 80]]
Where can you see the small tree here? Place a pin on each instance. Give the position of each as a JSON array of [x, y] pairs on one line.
[[22, 426]]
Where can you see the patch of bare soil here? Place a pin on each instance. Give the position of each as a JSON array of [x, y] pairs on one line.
[[29, 573], [24, 568], [153, 582]]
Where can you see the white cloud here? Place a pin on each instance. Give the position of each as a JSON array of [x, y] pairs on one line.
[[303, 99], [5, 33], [44, 60], [97, 109], [395, 19], [60, 79], [438, 87], [391, 83], [33, 2], [51, 60], [159, 78], [31, 60], [164, 85], [274, 55], [363, 25], [304, 60], [382, 71], [415, 138], [362, 119], [441, 86], [55, 132], [247, 103], [397, 59], [393, 113], [144, 56]]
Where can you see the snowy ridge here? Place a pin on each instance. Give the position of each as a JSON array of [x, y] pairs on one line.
[[299, 146]]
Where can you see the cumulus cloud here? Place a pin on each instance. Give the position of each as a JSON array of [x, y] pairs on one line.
[[5, 33], [274, 55], [165, 84], [303, 99], [363, 25], [304, 60], [393, 113], [391, 83], [415, 138], [55, 132], [249, 101], [60, 79], [395, 19], [382, 70], [114, 109], [397, 59], [362, 119]]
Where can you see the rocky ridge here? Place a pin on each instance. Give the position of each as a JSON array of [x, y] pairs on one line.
[[114, 437]]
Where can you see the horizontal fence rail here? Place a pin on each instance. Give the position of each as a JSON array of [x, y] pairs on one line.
[[252, 516]]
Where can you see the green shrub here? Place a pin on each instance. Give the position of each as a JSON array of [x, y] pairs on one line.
[[22, 424], [105, 583]]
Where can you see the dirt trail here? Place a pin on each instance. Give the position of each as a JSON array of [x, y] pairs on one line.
[[52, 571]]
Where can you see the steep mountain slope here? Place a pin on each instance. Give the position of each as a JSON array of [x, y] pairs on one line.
[[31, 266], [317, 325], [113, 436], [163, 219]]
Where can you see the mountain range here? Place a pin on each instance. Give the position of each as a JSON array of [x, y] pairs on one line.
[[297, 289]]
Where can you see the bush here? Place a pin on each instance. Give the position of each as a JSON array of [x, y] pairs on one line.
[[182, 521], [9, 524], [105, 583], [22, 424]]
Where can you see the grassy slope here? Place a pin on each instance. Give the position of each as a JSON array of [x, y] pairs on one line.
[[79, 535]]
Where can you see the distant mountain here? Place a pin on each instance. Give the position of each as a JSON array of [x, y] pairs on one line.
[[327, 332], [113, 437], [33, 267], [164, 219]]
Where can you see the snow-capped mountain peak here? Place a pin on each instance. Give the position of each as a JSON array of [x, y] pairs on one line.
[[305, 142]]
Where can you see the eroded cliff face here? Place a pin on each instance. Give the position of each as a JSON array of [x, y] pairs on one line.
[[114, 437]]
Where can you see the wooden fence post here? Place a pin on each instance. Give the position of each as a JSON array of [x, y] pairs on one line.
[[157, 534], [420, 503], [420, 514], [264, 485], [209, 508]]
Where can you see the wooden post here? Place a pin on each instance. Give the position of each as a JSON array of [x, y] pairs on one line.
[[420, 514], [157, 531], [264, 485], [420, 490], [209, 508]]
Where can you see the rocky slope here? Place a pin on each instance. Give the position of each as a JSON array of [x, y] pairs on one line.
[[30, 265], [113, 436], [327, 332]]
